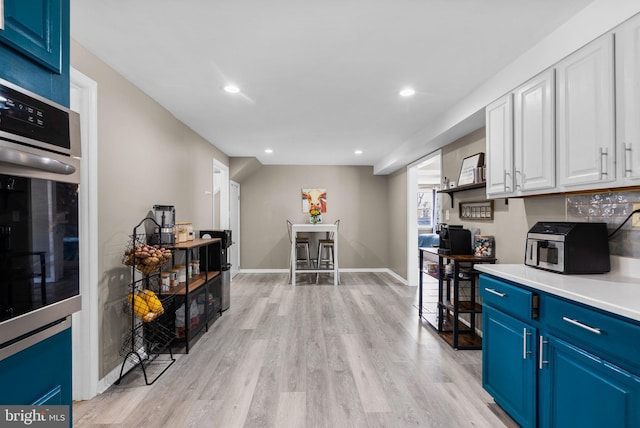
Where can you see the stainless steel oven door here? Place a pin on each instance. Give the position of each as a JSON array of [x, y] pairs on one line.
[[39, 239]]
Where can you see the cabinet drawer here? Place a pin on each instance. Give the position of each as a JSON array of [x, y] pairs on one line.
[[597, 332], [508, 298]]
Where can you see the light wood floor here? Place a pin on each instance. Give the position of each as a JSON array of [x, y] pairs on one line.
[[355, 355]]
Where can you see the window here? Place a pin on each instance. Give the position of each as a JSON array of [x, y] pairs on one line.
[[426, 208]]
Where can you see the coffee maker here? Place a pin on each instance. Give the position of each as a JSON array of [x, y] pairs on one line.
[[165, 216], [454, 240]]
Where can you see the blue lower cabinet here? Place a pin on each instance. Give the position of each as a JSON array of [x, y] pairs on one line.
[[40, 374], [554, 371], [578, 389], [509, 366]]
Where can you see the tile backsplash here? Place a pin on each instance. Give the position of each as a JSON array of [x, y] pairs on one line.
[[612, 208]]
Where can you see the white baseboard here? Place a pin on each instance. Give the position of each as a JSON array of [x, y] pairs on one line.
[[384, 270]]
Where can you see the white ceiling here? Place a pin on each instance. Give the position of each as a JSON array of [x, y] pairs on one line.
[[319, 79]]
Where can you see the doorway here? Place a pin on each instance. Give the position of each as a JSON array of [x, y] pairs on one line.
[[423, 210], [234, 225], [220, 195], [85, 331]]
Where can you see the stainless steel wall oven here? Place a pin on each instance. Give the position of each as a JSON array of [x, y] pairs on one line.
[[39, 240]]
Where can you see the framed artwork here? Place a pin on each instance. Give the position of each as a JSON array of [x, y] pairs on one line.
[[314, 198], [476, 211], [469, 165]]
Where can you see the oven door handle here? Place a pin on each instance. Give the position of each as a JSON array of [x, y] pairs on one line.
[[30, 160]]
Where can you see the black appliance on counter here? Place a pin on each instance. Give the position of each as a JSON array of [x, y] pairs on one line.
[[165, 216], [566, 247], [219, 261], [454, 240]]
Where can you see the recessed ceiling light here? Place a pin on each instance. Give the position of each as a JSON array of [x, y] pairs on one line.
[[232, 89], [358, 152], [407, 92], [268, 151]]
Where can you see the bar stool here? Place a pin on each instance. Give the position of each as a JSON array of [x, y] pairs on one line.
[[327, 246], [301, 243]]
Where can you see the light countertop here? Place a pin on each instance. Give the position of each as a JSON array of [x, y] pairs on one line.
[[612, 292]]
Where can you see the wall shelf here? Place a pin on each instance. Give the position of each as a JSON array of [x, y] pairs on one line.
[[457, 189]]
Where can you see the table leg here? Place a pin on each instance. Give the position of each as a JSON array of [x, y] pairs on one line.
[[336, 271], [420, 284], [293, 257]]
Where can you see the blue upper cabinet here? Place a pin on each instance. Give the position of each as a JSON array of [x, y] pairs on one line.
[[34, 47], [33, 28]]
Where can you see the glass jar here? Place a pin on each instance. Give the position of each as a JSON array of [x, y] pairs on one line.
[[484, 246], [173, 277], [182, 273], [195, 267], [165, 281]]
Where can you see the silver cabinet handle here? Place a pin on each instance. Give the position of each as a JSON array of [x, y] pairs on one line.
[[497, 293], [518, 174], [541, 359], [525, 351], [1, 14], [30, 160], [581, 325], [627, 160], [604, 157], [506, 174]]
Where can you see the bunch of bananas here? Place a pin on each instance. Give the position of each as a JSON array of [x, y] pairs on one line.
[[146, 305]]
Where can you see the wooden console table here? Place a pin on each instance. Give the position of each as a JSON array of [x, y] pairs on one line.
[[447, 321]]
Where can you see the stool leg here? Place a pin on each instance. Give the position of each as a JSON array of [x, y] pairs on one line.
[[319, 263], [308, 255]]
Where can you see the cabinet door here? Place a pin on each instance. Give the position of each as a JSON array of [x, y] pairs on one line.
[[534, 134], [34, 29], [578, 389], [40, 374], [628, 92], [508, 364], [499, 124], [585, 107]]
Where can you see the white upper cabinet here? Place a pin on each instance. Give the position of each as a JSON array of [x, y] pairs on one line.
[[534, 135], [628, 96], [585, 116], [499, 128]]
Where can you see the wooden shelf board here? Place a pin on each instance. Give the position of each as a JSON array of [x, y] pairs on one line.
[[464, 306], [466, 339], [465, 187], [198, 242]]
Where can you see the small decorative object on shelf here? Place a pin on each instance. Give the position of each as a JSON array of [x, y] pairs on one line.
[[314, 216], [468, 171]]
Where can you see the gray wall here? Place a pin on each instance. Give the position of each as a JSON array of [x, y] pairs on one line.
[[145, 157], [358, 198], [398, 222]]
